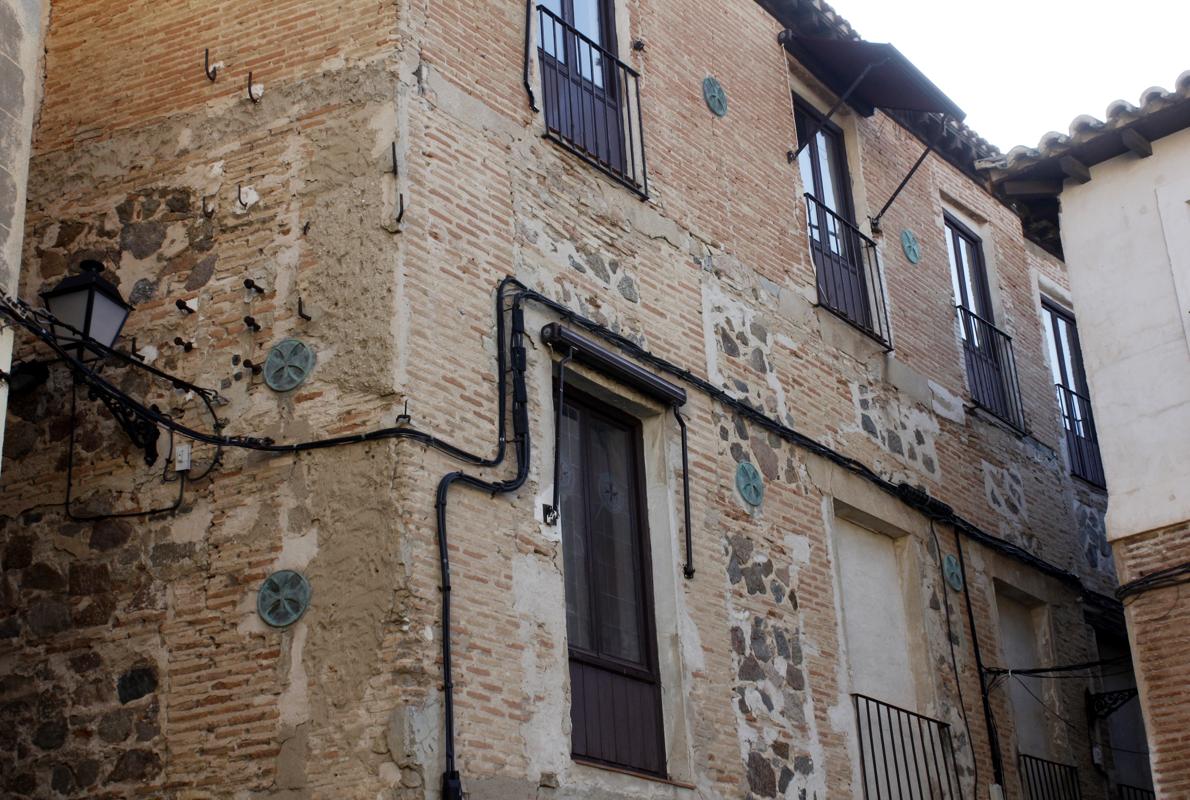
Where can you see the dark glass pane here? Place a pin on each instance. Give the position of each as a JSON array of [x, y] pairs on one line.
[[610, 484], [573, 498]]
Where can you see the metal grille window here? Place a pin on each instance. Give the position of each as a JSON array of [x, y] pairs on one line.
[[845, 262], [991, 365], [1048, 780], [1134, 793], [615, 689], [591, 98], [904, 755], [1070, 384]]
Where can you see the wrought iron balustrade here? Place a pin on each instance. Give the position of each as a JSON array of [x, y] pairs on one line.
[[1048, 780], [848, 271], [591, 101], [1081, 441], [991, 368], [904, 755], [1124, 792]]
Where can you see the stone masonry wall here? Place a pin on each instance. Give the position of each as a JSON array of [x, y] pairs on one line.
[[133, 662]]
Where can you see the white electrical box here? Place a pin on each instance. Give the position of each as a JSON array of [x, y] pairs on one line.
[[182, 458]]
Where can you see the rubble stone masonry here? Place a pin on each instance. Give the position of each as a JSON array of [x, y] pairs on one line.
[[132, 660]]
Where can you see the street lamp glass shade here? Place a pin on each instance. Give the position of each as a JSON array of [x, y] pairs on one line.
[[89, 304]]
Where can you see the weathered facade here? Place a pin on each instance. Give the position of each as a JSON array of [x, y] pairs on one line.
[[134, 660], [1126, 234]]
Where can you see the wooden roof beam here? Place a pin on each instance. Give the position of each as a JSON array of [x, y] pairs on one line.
[[1136, 142], [1073, 168], [1034, 188]]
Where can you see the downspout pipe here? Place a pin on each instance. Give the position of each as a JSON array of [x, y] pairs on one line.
[[452, 785], [989, 720]]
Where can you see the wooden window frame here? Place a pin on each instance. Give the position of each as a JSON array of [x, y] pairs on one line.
[[958, 232], [1071, 373], [836, 135], [650, 672]]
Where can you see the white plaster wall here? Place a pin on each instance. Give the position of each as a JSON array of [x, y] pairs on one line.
[[1126, 234], [21, 28]]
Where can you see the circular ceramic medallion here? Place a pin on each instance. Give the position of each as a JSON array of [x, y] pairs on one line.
[[911, 246], [750, 483], [953, 572], [712, 92], [288, 365], [283, 598]]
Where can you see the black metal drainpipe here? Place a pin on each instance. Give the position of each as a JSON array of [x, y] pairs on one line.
[[989, 720], [551, 513], [528, 46], [688, 570], [452, 785]]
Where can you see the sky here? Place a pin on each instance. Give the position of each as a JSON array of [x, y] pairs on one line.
[[1021, 68]]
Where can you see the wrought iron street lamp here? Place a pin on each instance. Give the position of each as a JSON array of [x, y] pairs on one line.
[[91, 308], [88, 310]]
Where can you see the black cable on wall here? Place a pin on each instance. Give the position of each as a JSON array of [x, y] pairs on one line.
[[514, 362]]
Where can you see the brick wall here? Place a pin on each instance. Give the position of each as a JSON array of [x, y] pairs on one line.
[[1157, 624], [712, 273]]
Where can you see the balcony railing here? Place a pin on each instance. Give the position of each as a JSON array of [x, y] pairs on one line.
[[1134, 793], [591, 101], [991, 369], [904, 755], [1081, 441], [1048, 780], [848, 270]]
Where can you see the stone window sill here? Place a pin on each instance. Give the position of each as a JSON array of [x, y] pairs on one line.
[[630, 773]]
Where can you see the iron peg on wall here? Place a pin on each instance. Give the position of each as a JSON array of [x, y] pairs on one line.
[[184, 307], [306, 228], [400, 194], [251, 96], [302, 310], [253, 286], [212, 72], [240, 195], [254, 368], [182, 343], [403, 418], [252, 324]]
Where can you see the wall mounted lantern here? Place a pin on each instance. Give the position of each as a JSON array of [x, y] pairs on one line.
[[88, 310], [91, 306]]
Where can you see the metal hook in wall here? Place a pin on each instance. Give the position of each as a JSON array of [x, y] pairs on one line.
[[240, 195], [254, 368], [252, 324], [212, 72], [302, 310], [253, 286], [251, 96], [400, 194], [182, 343], [184, 307], [403, 418]]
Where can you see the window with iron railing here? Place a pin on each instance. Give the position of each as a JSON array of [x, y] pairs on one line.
[[1070, 385], [904, 755], [591, 98], [1048, 780], [1134, 793], [845, 261], [991, 364]]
